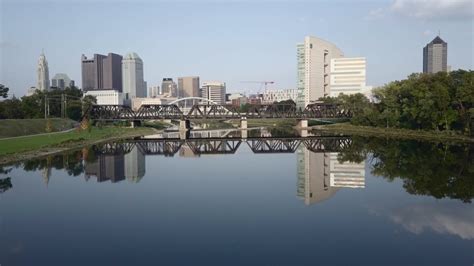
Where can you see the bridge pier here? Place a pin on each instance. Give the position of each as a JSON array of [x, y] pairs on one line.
[[135, 123], [302, 124], [184, 134], [303, 133], [184, 125], [243, 122]]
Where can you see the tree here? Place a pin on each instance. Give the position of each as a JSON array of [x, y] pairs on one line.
[[4, 91]]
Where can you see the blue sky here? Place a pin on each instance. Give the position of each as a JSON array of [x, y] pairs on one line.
[[229, 41]]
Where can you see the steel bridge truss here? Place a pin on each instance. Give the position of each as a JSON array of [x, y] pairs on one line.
[[214, 111], [204, 146]]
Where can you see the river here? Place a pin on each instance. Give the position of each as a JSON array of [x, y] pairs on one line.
[[270, 198]]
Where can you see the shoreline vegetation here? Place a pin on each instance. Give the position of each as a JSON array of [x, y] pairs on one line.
[[394, 133], [28, 147]]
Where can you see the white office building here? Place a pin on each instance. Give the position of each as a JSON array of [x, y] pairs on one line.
[[348, 76], [271, 96], [133, 84], [42, 72], [214, 91], [107, 97], [313, 70]]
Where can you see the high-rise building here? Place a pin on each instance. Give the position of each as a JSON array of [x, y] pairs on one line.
[[61, 81], [435, 56], [43, 73], [188, 87], [314, 57], [214, 91], [348, 76], [102, 72], [153, 91], [132, 77], [169, 87]]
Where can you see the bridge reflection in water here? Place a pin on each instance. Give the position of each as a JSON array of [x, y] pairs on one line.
[[319, 172]]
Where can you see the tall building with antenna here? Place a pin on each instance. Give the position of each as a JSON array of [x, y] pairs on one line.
[[42, 72], [435, 56]]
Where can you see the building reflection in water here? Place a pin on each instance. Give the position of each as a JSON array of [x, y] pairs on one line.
[[321, 175], [118, 167]]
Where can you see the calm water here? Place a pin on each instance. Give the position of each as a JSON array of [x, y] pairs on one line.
[[315, 201]]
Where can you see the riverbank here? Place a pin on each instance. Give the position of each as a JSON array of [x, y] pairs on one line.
[[24, 148], [395, 133], [23, 127]]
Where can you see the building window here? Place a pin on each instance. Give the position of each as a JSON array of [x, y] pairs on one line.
[[310, 46]]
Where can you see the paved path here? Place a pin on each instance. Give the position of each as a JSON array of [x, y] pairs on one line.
[[52, 133]]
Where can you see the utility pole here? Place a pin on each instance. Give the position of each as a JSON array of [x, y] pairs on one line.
[[45, 108]]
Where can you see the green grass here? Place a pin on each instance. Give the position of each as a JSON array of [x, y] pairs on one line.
[[31, 143], [22, 127], [396, 133]]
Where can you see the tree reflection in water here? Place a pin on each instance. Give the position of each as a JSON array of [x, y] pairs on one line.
[[434, 169]]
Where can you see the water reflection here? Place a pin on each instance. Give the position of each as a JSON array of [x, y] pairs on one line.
[[244, 194], [117, 166], [321, 175], [325, 164]]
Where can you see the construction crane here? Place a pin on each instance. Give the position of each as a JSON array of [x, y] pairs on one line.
[[262, 83]]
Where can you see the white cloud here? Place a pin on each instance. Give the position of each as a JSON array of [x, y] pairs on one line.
[[434, 9], [375, 14], [441, 218]]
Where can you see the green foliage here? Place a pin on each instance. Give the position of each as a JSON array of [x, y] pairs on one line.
[[33, 106], [3, 91], [441, 101]]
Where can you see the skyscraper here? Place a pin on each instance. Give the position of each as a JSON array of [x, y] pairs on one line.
[[132, 76], [102, 72], [314, 57], [168, 87], [43, 73], [435, 56], [188, 87], [214, 91]]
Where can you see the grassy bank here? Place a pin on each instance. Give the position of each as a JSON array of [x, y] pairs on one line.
[[396, 133], [32, 146], [22, 127]]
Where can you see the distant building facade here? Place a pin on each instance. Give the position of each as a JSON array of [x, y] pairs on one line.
[[313, 58], [348, 76], [138, 102], [435, 56], [132, 77], [102, 72], [153, 91], [271, 96], [42, 72], [107, 97], [188, 87], [214, 91], [169, 87], [62, 81]]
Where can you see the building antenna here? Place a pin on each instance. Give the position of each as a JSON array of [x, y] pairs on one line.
[[439, 33]]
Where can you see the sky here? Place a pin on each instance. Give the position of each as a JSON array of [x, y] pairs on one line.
[[229, 41]]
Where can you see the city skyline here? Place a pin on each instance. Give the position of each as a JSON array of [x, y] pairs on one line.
[[267, 52]]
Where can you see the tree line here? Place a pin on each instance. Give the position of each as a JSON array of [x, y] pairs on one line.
[[67, 103], [441, 102]]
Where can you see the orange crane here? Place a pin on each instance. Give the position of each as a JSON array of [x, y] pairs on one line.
[[262, 83]]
